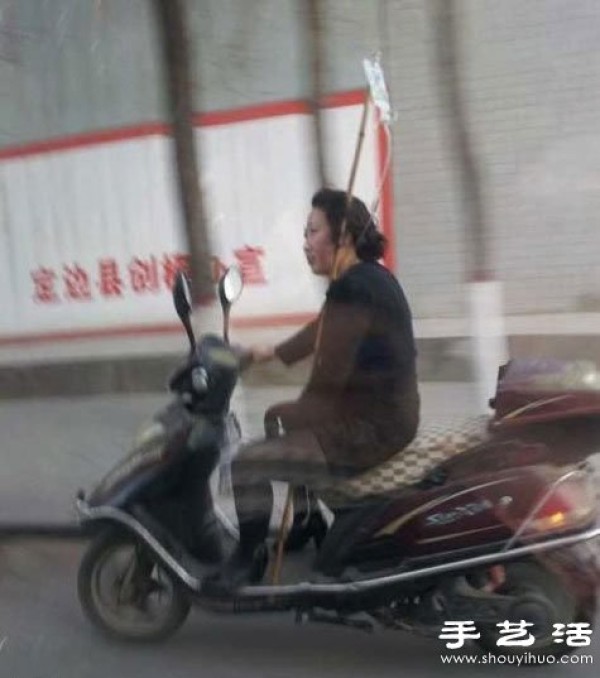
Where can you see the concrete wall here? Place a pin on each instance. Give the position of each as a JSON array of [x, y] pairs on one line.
[[70, 66], [532, 83]]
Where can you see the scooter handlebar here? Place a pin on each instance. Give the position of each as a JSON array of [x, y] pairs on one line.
[[245, 357]]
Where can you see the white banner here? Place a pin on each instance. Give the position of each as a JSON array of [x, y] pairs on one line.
[[91, 238]]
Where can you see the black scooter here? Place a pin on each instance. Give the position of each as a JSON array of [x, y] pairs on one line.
[[468, 525]]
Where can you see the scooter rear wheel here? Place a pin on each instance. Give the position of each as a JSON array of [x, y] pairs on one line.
[[126, 593], [542, 599]]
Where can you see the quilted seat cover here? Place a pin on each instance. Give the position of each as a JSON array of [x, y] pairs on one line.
[[432, 446]]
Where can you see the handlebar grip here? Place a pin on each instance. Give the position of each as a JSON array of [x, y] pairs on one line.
[[244, 356]]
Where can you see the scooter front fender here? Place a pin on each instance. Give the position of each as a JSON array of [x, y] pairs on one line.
[[107, 515]]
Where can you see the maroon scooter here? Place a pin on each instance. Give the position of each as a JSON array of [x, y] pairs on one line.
[[495, 519]]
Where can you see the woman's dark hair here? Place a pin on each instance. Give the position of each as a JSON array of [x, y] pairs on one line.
[[370, 244]]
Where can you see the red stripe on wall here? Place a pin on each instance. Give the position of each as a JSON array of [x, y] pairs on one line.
[[246, 114], [147, 129], [352, 98], [279, 320], [84, 140], [276, 109], [138, 331], [95, 333]]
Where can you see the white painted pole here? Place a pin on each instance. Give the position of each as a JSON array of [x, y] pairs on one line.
[[488, 337]]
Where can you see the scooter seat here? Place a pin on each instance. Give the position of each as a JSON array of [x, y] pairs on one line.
[[432, 446]]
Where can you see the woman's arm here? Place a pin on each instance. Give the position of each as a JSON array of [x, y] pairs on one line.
[[300, 345], [345, 326]]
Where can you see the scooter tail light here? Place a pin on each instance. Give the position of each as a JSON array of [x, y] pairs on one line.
[[572, 504]]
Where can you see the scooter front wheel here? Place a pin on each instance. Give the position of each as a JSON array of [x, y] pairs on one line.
[[126, 593]]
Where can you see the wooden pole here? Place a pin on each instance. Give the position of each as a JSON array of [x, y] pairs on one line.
[[282, 534], [281, 537], [359, 145], [353, 172]]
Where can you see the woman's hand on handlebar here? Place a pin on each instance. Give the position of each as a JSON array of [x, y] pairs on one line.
[[262, 354], [253, 355]]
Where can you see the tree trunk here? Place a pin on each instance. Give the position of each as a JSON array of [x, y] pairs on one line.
[[451, 96], [484, 294], [311, 13], [176, 65]]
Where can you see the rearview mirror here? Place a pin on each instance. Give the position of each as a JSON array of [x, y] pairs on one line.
[[182, 296], [182, 300], [230, 286]]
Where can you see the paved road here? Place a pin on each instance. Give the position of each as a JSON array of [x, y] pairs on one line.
[[48, 450], [47, 637]]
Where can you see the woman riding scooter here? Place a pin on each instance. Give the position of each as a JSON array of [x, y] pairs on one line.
[[514, 489], [361, 403]]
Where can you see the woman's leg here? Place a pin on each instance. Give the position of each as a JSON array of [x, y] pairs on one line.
[[296, 458]]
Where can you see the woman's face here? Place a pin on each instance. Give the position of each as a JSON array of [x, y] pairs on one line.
[[319, 248]]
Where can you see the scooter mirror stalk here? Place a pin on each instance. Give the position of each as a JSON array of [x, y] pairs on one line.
[[231, 285], [182, 300]]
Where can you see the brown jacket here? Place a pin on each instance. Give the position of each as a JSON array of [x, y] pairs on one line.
[[362, 398]]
